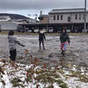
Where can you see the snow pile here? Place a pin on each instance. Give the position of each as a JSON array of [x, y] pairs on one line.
[[36, 76]]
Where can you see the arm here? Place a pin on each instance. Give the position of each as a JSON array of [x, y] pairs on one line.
[[60, 37], [19, 43], [44, 36]]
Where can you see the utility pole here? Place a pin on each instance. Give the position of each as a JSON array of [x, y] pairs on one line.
[[85, 30]]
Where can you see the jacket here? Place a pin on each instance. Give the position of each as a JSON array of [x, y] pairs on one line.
[[12, 42], [42, 36], [64, 38]]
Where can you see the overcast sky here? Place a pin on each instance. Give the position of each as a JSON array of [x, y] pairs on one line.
[[26, 7]]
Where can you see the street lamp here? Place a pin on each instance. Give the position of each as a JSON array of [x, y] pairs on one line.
[[85, 30]]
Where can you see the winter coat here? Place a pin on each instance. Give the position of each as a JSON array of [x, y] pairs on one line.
[[64, 38], [41, 36], [12, 42]]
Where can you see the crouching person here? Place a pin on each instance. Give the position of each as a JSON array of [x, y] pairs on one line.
[[12, 47]]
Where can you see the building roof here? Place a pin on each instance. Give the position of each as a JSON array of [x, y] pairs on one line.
[[43, 15], [14, 16], [76, 10]]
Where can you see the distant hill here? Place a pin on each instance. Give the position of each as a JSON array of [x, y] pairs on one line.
[[14, 16]]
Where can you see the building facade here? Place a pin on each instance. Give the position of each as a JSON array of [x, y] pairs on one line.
[[57, 19], [72, 19], [67, 16], [44, 19]]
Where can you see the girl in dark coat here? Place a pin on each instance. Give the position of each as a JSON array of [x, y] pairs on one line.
[[64, 39]]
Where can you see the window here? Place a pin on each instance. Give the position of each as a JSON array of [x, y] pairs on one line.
[[76, 16], [69, 19], [54, 17], [61, 17], [57, 17], [83, 16], [79, 16]]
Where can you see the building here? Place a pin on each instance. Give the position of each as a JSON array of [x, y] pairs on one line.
[[44, 19], [6, 26], [4, 18], [72, 19], [67, 16], [12, 21]]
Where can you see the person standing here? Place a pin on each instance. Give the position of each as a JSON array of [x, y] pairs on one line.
[[64, 40], [41, 39], [12, 46]]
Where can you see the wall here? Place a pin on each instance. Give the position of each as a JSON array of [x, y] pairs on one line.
[[65, 18], [45, 20], [5, 26]]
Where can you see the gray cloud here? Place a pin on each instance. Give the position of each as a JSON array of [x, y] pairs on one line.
[[39, 4]]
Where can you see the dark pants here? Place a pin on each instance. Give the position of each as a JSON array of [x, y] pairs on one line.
[[41, 42], [13, 55]]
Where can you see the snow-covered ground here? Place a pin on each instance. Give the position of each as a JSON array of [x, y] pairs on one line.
[[50, 68], [35, 76], [77, 53]]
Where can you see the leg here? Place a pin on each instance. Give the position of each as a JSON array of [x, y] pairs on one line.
[[43, 44], [62, 49], [39, 44], [62, 52], [13, 57]]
